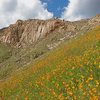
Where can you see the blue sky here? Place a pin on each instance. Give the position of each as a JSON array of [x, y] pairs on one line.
[[56, 6]]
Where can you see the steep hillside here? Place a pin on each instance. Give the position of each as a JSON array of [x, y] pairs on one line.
[[71, 71], [23, 42]]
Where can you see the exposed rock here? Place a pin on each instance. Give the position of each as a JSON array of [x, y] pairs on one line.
[[95, 20], [24, 33], [27, 32]]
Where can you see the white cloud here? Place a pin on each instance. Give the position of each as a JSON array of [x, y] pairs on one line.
[[12, 10], [78, 9]]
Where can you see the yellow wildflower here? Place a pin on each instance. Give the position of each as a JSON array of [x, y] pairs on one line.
[[26, 98], [94, 90], [80, 86]]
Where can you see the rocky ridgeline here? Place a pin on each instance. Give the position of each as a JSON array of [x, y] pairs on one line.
[[95, 20], [27, 32]]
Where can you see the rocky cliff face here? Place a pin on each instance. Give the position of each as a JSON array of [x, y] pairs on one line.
[[28, 32], [24, 33]]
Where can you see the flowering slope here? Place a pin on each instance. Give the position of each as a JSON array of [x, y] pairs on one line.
[[70, 72]]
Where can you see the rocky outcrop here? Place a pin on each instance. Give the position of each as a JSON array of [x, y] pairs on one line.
[[95, 20], [24, 33], [27, 32]]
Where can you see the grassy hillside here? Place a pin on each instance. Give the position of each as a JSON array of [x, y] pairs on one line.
[[20, 57], [70, 72], [5, 52], [12, 59]]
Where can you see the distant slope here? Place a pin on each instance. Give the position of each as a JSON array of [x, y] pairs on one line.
[[71, 71]]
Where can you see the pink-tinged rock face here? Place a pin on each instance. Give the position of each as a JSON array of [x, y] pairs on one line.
[[27, 32]]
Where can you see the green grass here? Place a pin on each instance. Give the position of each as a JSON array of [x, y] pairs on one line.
[[5, 52], [71, 72], [18, 58]]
